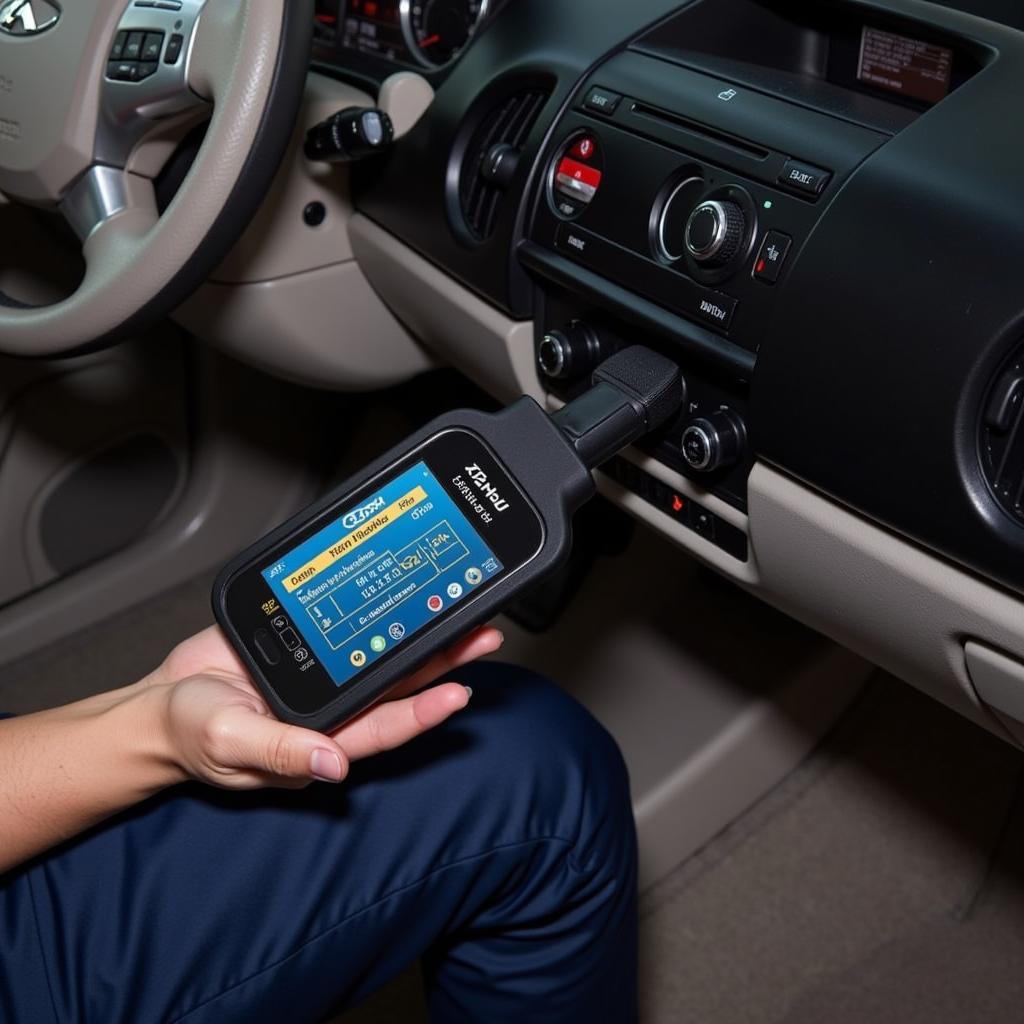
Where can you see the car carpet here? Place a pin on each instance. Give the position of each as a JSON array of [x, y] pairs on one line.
[[882, 881]]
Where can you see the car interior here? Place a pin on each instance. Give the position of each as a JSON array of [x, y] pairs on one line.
[[248, 245]]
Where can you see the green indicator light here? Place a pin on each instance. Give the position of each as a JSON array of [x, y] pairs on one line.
[[767, 204]]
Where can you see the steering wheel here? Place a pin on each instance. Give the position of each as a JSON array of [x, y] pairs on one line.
[[90, 92]]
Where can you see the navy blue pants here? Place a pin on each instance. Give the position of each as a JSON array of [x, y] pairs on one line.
[[499, 848]]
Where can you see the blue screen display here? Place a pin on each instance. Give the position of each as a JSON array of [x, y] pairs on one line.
[[377, 574]]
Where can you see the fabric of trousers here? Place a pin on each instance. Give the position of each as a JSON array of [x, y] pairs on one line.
[[499, 849]]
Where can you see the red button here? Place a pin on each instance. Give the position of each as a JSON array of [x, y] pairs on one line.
[[434, 603], [584, 149], [580, 172]]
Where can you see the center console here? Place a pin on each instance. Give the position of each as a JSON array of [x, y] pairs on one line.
[[680, 186]]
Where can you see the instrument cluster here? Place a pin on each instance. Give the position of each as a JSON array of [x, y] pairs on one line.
[[424, 34]]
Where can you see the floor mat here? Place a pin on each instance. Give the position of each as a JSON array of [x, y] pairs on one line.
[[881, 882]]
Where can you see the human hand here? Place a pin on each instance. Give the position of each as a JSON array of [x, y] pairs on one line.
[[218, 729]]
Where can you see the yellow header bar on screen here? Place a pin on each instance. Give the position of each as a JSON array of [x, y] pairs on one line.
[[351, 541]]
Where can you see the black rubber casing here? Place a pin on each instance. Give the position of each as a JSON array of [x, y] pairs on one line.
[[531, 450]]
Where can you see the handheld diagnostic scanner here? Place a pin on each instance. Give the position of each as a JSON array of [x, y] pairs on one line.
[[340, 603]]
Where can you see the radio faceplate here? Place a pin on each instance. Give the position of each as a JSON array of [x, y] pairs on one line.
[[692, 192], [637, 210]]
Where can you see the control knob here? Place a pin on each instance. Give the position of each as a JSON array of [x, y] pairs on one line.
[[715, 232], [714, 441], [350, 134], [570, 352]]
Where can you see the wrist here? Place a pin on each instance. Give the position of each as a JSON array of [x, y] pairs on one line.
[[142, 721]]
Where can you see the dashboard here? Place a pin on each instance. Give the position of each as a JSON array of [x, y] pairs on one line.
[[731, 197], [814, 209]]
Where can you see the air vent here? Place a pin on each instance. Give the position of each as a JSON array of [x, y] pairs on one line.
[[491, 158], [1002, 437]]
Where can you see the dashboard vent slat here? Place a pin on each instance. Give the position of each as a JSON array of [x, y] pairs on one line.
[[508, 124]]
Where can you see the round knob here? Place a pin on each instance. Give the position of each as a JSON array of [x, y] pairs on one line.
[[714, 441], [571, 352], [715, 231]]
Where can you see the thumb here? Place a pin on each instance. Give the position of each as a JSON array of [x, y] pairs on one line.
[[262, 744]]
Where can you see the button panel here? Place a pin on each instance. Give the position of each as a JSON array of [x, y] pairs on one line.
[[145, 75], [135, 55], [678, 507]]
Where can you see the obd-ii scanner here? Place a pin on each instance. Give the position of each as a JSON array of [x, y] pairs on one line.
[[348, 597]]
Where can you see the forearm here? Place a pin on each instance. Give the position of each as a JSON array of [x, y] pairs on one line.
[[64, 770], [197, 716]]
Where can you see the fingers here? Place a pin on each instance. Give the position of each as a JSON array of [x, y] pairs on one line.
[[395, 722], [241, 747], [240, 741]]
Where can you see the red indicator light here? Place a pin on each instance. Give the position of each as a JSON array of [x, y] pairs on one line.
[[677, 503], [759, 269], [370, 10], [584, 149]]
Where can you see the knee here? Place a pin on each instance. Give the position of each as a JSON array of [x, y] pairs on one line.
[[547, 765]]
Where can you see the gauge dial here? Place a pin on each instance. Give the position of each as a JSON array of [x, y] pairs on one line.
[[437, 30]]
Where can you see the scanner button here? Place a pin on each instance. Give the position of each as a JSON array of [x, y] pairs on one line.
[[289, 638], [268, 650]]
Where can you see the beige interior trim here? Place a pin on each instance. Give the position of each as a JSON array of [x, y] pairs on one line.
[[323, 328], [243, 480], [290, 298], [278, 242], [894, 603], [405, 97], [487, 346]]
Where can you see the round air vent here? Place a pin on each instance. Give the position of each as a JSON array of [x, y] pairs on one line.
[[491, 156], [1001, 436]]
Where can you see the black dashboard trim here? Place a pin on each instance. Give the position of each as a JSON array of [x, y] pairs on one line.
[[689, 338]]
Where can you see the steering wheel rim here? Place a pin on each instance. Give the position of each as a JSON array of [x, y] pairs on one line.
[[250, 59]]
